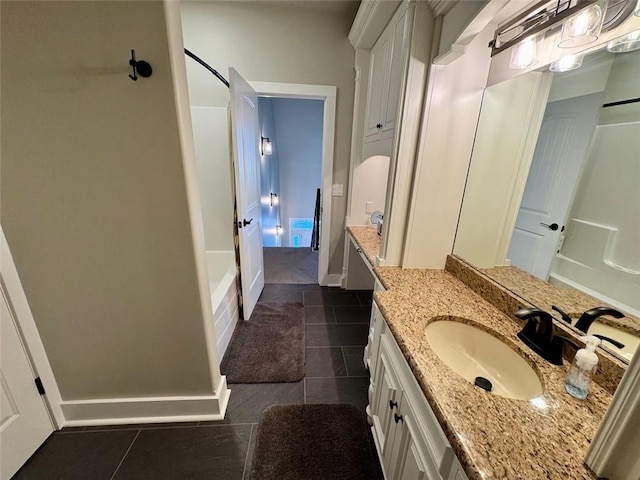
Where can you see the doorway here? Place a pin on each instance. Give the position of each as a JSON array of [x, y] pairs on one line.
[[290, 179], [299, 123]]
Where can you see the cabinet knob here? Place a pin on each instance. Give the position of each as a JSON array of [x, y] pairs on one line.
[[397, 418], [359, 250], [392, 404], [379, 125]]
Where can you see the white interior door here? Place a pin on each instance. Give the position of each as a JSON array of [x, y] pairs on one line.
[[24, 421], [563, 143], [245, 136]]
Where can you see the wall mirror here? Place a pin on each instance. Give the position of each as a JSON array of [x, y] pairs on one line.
[[552, 204]]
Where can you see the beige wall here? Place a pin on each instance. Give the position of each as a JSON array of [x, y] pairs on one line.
[[94, 203], [276, 44]]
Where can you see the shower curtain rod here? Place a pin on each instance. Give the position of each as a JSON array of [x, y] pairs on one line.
[[621, 102], [205, 65]]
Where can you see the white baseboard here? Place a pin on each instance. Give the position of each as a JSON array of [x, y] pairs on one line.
[[332, 280], [119, 411]]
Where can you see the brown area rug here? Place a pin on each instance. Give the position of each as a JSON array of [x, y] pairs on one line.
[[269, 348], [314, 442]]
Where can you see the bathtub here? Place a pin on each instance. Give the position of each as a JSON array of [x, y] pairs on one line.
[[221, 266]]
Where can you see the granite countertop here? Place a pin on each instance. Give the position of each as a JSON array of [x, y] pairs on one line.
[[493, 437], [544, 295], [368, 240]]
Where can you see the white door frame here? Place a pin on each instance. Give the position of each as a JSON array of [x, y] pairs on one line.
[[29, 332], [328, 94]]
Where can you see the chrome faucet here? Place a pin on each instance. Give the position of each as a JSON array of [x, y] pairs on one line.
[[538, 335]]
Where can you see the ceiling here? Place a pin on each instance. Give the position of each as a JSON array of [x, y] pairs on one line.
[[346, 7]]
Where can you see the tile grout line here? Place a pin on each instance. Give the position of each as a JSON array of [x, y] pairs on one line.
[[225, 424], [246, 457], [344, 362], [125, 455], [333, 313], [136, 427]]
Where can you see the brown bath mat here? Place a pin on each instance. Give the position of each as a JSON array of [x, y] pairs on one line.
[[269, 348], [314, 442]]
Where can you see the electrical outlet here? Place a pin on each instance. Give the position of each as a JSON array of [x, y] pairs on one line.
[[337, 190], [368, 207]]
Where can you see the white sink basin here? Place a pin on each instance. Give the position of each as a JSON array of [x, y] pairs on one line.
[[472, 353]]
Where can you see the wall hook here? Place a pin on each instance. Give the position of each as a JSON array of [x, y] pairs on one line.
[[140, 67]]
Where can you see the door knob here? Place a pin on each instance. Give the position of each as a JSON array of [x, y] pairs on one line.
[[245, 222], [553, 226]]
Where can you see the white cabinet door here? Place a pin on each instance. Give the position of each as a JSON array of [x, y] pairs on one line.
[[386, 397], [410, 458], [387, 68], [410, 442], [24, 421], [397, 65], [456, 472], [377, 84], [375, 332]]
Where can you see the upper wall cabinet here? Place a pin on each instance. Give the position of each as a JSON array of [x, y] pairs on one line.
[[387, 64]]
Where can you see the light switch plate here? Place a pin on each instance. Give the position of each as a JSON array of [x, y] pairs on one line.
[[337, 190], [368, 207]]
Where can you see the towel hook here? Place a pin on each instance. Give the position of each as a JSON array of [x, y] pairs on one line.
[[140, 67]]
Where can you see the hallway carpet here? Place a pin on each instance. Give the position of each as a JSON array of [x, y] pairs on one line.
[[269, 348], [314, 442], [290, 265]]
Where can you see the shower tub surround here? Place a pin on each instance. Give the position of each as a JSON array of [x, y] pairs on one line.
[[221, 266], [493, 437]]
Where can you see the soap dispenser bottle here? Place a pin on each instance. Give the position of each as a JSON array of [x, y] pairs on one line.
[[583, 366]]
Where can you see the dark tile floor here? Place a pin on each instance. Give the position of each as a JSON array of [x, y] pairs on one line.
[[336, 332]]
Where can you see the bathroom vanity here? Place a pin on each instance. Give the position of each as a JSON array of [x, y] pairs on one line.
[[429, 422]]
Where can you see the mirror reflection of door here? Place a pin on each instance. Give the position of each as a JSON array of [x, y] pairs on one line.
[[563, 143]]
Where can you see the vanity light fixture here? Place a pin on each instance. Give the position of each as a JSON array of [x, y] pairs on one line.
[[581, 21], [625, 43], [584, 27], [525, 53], [273, 199], [266, 148], [567, 63], [541, 17]]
